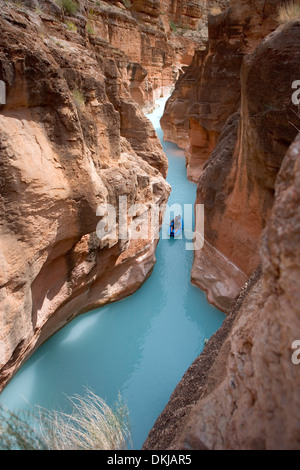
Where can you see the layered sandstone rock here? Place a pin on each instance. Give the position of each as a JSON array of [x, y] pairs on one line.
[[246, 382], [175, 120], [157, 37], [154, 38], [237, 184], [242, 391], [71, 138], [236, 130], [210, 91]]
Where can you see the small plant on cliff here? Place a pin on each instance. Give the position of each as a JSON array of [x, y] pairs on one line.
[[69, 7], [78, 98], [289, 12], [90, 29], [92, 425], [127, 3], [71, 26], [173, 26], [38, 10], [18, 3], [185, 28]]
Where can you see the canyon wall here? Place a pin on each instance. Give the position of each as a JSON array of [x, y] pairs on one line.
[[210, 90], [236, 130], [237, 184], [73, 136], [242, 391], [157, 36], [71, 139]]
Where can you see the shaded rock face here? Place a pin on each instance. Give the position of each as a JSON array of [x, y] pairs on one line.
[[236, 129], [242, 391], [249, 398], [237, 183], [71, 138], [175, 121], [195, 119], [213, 269]]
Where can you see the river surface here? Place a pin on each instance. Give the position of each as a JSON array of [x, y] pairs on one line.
[[140, 346]]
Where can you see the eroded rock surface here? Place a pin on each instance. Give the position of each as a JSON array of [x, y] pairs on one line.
[[157, 36], [236, 129], [237, 182], [242, 391], [71, 138], [210, 91]]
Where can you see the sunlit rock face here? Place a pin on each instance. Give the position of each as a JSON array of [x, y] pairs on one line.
[[71, 139], [158, 37]]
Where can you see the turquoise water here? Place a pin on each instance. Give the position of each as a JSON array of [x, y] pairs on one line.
[[140, 346]]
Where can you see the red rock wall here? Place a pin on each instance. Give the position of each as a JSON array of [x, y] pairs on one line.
[[232, 159], [242, 392], [71, 138], [237, 184], [157, 37], [195, 120]]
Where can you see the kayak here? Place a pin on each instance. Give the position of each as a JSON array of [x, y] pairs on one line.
[[174, 233]]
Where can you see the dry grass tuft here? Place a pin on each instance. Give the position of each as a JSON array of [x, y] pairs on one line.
[[92, 425], [288, 12], [216, 10]]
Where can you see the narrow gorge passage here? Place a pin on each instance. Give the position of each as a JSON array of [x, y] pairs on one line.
[[140, 346]]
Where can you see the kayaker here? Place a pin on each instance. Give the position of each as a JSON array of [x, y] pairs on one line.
[[177, 222]]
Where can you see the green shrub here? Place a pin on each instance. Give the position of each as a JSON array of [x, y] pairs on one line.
[[185, 28], [68, 6], [90, 28], [18, 3], [71, 26], [92, 425], [127, 3], [78, 98], [173, 26]]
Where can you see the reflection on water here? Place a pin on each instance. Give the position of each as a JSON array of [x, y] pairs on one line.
[[140, 346]]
